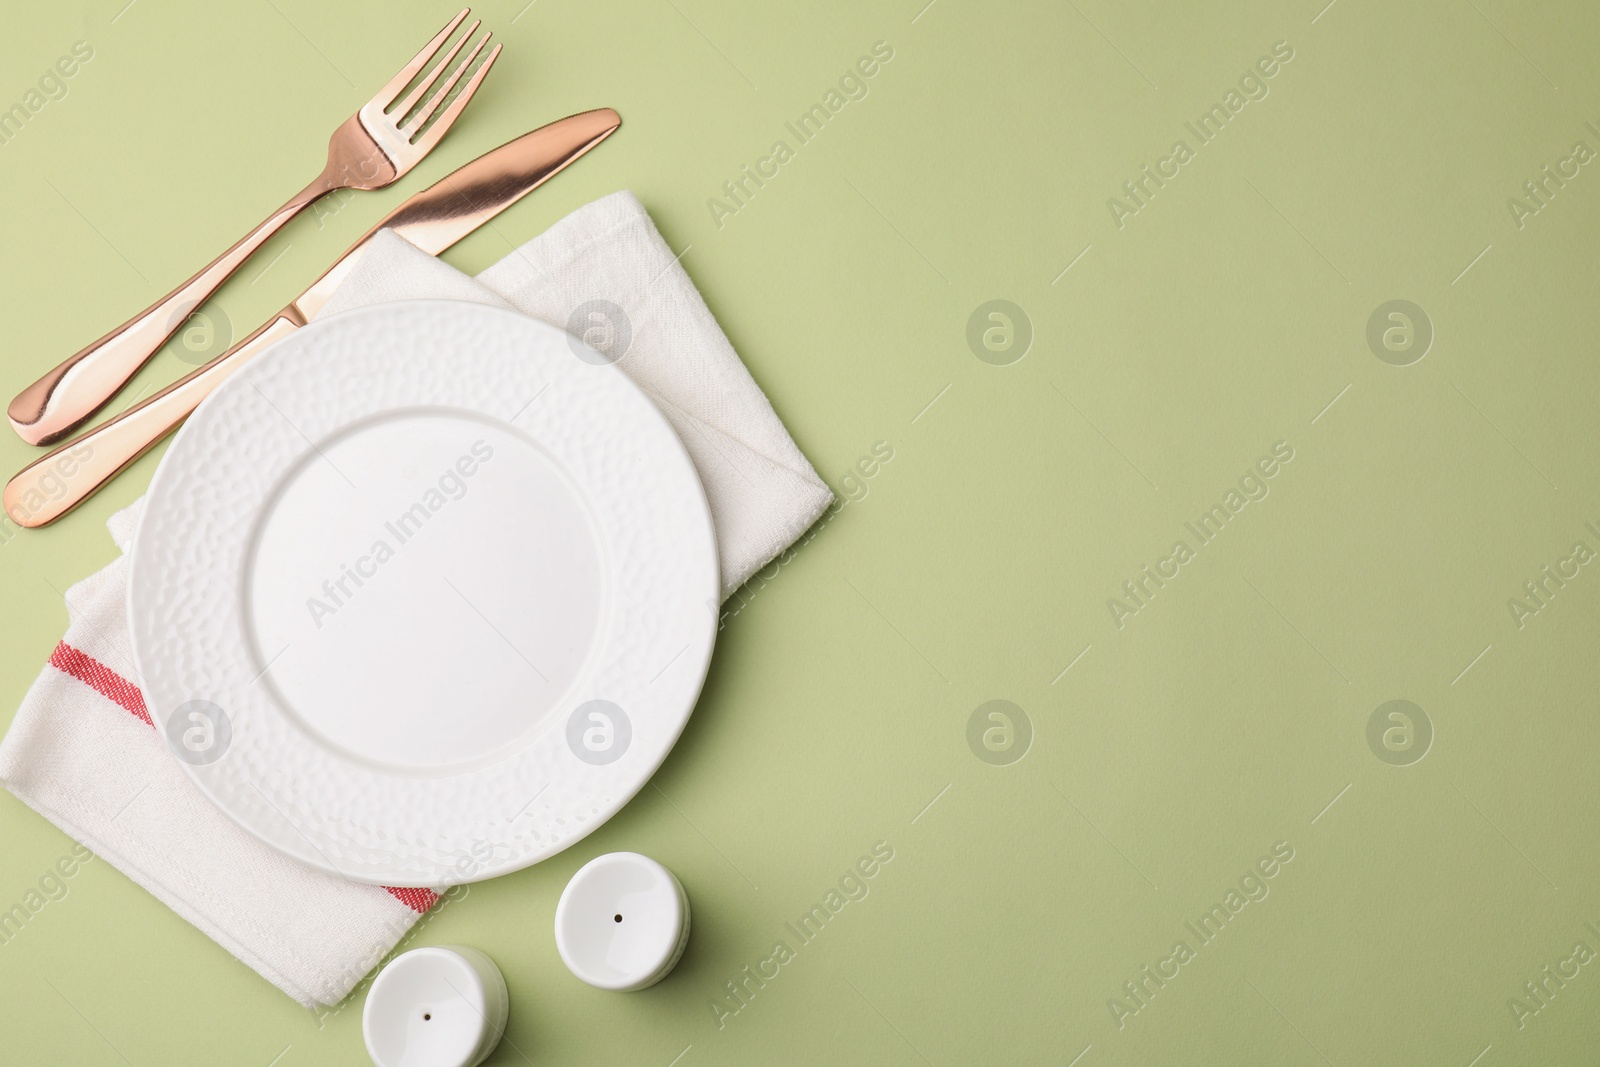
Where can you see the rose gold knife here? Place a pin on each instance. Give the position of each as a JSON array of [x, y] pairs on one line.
[[433, 220]]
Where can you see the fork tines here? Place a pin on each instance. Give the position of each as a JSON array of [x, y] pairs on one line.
[[412, 115]]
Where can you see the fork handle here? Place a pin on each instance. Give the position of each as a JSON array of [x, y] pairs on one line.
[[59, 481], [63, 399]]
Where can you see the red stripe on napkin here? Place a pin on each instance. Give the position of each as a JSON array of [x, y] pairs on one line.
[[117, 689], [102, 679], [418, 900]]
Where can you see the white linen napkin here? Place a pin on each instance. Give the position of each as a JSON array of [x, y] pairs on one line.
[[81, 750]]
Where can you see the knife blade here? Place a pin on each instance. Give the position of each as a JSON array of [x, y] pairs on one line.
[[433, 220]]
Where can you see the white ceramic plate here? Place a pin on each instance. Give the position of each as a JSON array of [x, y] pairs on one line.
[[421, 596]]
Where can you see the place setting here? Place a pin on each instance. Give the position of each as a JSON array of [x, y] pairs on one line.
[[426, 584]]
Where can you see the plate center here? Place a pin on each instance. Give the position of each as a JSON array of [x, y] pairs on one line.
[[423, 589]]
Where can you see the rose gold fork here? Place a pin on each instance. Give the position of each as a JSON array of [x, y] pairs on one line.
[[372, 149]]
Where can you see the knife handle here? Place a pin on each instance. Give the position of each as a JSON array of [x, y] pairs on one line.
[[59, 481], [68, 395]]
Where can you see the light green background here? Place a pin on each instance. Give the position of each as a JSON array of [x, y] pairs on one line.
[[1225, 316]]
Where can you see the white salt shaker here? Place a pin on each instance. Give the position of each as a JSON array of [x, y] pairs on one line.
[[443, 1006], [622, 922]]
